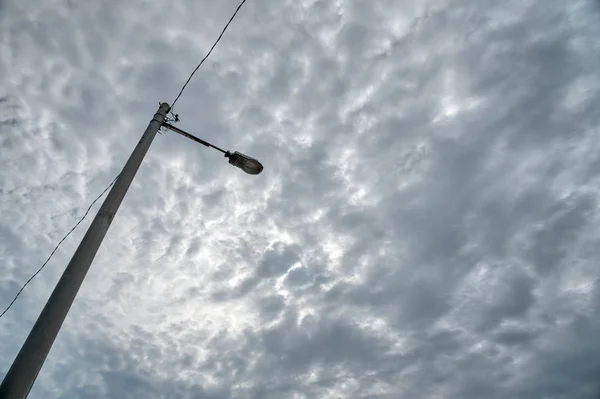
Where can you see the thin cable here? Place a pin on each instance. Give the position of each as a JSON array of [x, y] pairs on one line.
[[58, 245], [209, 51]]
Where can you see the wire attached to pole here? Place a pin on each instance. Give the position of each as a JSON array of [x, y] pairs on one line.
[[58, 245], [206, 56]]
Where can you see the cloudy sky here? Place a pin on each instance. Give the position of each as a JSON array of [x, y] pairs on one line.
[[427, 224]]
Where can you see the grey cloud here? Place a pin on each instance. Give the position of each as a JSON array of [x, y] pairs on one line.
[[512, 337], [511, 297], [426, 223], [551, 244], [274, 263], [119, 374]]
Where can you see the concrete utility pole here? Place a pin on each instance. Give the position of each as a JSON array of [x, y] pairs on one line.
[[22, 374]]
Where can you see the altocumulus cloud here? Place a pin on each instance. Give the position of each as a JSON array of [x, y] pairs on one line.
[[427, 224]]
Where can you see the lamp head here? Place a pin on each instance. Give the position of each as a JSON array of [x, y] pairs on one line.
[[244, 162]]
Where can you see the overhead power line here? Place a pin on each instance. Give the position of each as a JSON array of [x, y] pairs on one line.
[[207, 54], [58, 245]]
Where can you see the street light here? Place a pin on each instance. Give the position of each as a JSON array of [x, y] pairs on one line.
[[237, 159], [24, 370]]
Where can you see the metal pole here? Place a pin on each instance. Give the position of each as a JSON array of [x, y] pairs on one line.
[[194, 138], [22, 374]]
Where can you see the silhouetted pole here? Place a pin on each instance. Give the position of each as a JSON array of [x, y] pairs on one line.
[[22, 374]]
